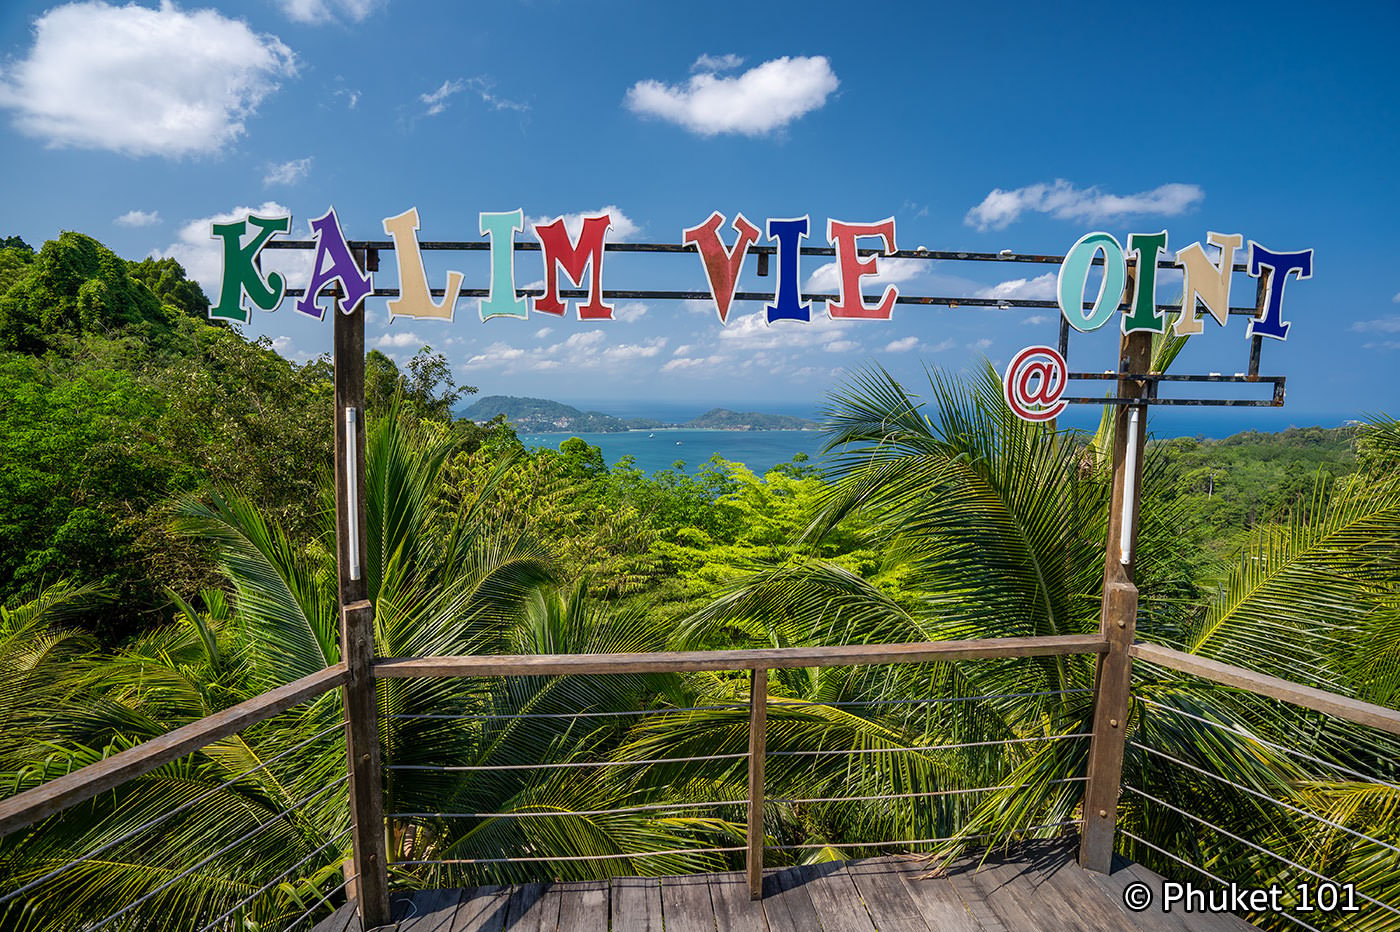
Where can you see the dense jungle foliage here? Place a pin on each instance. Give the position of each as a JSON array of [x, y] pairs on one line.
[[167, 550]]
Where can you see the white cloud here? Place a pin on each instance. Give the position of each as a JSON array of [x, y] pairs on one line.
[[325, 11], [140, 81], [352, 97], [288, 172], [482, 86], [762, 99], [827, 278], [842, 346], [622, 225], [1040, 288], [1396, 299], [1035, 319], [202, 258], [630, 310], [715, 63], [902, 345], [980, 344], [437, 100], [138, 218], [402, 339], [1064, 201], [588, 349], [1389, 324]]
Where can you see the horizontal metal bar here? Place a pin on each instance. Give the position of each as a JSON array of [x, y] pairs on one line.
[[911, 841], [1194, 402], [939, 701], [746, 659], [963, 792], [32, 805], [273, 882], [1272, 687], [569, 715], [275, 820], [931, 747], [817, 297], [387, 245], [1201, 870], [1172, 377], [658, 807], [162, 817], [574, 857], [1260, 848], [1302, 755], [1264, 796], [467, 768]]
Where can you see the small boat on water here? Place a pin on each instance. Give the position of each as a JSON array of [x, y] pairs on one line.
[[651, 435]]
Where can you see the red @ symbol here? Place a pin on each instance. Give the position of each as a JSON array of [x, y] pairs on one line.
[[1044, 367]]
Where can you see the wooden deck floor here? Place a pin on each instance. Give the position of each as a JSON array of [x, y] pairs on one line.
[[1040, 890]]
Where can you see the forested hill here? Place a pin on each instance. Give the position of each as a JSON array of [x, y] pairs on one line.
[[119, 398], [540, 415]]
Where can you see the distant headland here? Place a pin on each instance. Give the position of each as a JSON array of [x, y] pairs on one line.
[[540, 415]]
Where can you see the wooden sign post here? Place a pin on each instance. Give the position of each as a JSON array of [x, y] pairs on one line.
[[369, 856]]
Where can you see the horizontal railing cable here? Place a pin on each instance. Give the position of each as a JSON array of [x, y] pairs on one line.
[[930, 747], [778, 700], [317, 905], [1260, 848], [1201, 870], [455, 768], [658, 807], [910, 841], [1258, 795], [273, 882], [162, 817], [1303, 755], [573, 857], [262, 827], [547, 715], [957, 792]]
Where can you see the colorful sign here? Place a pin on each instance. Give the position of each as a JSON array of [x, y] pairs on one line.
[[1033, 383]]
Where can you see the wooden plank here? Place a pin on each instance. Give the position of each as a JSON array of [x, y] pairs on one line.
[[532, 908], [1062, 887], [881, 885], [749, 659], [1151, 919], [758, 734], [1002, 888], [636, 904], [482, 909], [583, 906], [734, 910], [32, 805], [836, 898], [1319, 700], [429, 911], [939, 900], [786, 904], [685, 904], [344, 919], [1113, 689]]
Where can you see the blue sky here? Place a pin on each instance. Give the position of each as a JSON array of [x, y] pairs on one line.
[[977, 127]]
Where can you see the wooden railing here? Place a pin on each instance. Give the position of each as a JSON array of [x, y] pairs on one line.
[[1101, 793]]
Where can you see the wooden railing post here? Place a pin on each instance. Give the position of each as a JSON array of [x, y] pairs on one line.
[[369, 851], [1117, 614], [758, 723]]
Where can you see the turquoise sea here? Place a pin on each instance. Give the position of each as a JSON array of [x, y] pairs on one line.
[[760, 450]]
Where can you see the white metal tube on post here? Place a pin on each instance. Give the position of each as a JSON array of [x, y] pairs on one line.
[[1125, 525], [352, 494]]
